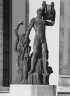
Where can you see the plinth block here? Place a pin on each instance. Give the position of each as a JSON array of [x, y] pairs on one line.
[[32, 90]]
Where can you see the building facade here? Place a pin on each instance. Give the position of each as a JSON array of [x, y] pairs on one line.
[[64, 49], [8, 21]]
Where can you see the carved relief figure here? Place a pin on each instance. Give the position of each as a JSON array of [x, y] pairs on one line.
[[23, 49]]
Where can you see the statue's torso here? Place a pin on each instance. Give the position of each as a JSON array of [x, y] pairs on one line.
[[39, 27]]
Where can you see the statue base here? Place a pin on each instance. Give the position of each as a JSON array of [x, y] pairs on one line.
[[38, 79], [32, 90]]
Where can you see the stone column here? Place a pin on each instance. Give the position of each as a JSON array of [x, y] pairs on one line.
[[1, 42], [65, 64]]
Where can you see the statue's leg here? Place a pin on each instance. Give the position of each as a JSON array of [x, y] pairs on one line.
[[34, 57], [45, 56]]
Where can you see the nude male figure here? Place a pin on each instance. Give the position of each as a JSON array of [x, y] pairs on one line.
[[39, 24]]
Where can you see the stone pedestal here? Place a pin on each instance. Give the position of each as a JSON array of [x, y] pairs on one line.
[[32, 90]]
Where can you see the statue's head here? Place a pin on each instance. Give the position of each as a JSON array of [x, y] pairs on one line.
[[39, 12], [52, 3]]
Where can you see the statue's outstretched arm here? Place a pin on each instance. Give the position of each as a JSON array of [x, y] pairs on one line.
[[49, 23], [30, 27]]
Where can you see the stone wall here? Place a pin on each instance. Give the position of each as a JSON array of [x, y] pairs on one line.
[[19, 12]]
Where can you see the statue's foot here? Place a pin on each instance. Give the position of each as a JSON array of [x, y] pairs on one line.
[[30, 72]]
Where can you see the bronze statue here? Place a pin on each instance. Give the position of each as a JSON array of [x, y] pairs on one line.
[[39, 24], [33, 68]]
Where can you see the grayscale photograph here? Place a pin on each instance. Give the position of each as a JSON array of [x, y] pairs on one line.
[[34, 47], [27, 49]]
